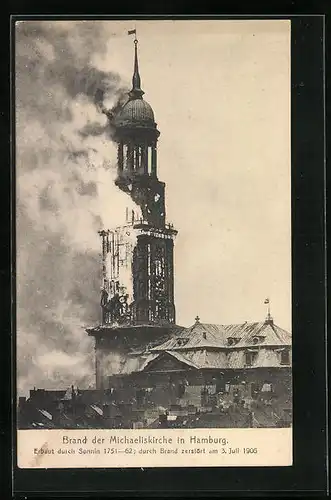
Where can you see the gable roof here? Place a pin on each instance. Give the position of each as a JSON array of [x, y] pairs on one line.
[[195, 358], [177, 356]]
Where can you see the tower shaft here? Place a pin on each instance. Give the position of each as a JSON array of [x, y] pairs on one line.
[[138, 262]]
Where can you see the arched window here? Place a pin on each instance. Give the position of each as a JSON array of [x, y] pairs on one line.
[[149, 160]]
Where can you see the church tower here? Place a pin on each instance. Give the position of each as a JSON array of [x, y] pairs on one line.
[[137, 295]]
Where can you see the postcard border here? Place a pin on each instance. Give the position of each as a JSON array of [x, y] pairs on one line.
[[309, 367]]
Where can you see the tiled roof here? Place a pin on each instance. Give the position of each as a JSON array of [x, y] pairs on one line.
[[216, 336], [270, 334], [197, 336]]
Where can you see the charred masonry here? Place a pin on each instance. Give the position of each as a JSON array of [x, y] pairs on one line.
[[150, 372]]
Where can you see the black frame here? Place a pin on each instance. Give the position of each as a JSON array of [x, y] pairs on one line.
[[308, 474]]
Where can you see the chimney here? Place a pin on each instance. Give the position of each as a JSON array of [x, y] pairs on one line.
[[21, 402]]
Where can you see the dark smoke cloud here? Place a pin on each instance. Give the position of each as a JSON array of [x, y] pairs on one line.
[[94, 129], [63, 147]]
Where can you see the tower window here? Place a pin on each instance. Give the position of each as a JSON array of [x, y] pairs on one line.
[[120, 154], [250, 357], [130, 152], [149, 160], [137, 158], [144, 159], [285, 357]]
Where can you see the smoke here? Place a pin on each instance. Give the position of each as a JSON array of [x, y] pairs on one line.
[[65, 186]]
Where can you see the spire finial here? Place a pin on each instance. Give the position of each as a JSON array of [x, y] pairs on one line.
[[197, 319], [269, 318], [136, 92]]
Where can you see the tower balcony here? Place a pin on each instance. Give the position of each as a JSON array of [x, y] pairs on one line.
[[144, 227]]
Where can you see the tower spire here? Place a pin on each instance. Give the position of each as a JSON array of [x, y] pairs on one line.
[[269, 319], [136, 91]]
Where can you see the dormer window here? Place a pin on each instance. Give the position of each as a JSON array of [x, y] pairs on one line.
[[181, 342], [257, 339], [204, 334], [233, 340]]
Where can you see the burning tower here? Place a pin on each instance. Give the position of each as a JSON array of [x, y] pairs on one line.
[[137, 296]]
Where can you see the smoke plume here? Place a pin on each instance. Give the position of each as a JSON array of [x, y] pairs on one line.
[[65, 170]]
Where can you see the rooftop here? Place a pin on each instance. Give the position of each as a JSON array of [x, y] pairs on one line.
[[215, 336]]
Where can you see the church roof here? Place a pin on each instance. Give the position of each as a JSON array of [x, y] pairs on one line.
[[266, 333], [197, 336], [214, 336], [206, 345]]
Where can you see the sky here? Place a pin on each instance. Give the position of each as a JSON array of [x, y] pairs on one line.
[[220, 91]]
